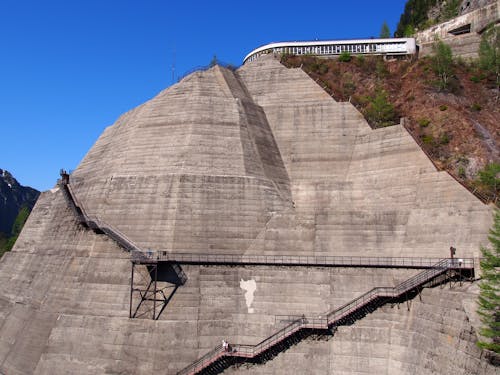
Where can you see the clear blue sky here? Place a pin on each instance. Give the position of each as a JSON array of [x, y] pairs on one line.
[[69, 68]]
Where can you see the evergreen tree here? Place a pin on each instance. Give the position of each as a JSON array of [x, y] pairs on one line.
[[450, 10], [21, 218], [415, 14], [380, 112], [442, 63], [489, 53], [489, 177], [489, 299], [409, 31], [385, 32]]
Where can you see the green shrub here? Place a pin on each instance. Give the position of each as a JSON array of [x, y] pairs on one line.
[[489, 53], [428, 139], [476, 107], [444, 139], [380, 112], [360, 60], [348, 85], [442, 64], [489, 177], [461, 172], [380, 69], [488, 299], [450, 9], [423, 122], [475, 79], [319, 67], [443, 107], [345, 57], [409, 31]]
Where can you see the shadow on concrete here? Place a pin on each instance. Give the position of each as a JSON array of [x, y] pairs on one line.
[[165, 273]]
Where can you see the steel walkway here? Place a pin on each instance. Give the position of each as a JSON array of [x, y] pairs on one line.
[[153, 256], [218, 359]]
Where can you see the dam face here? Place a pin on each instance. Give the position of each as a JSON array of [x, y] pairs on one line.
[[259, 161]]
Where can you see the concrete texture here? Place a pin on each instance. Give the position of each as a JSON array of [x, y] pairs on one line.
[[477, 14], [258, 161]]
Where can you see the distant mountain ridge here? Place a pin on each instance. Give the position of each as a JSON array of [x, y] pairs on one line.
[[13, 197]]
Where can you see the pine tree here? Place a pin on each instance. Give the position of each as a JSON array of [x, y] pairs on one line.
[[21, 218], [380, 112], [385, 32], [442, 63], [489, 298], [489, 54]]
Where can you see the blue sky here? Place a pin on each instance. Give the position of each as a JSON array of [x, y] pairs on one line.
[[68, 69]]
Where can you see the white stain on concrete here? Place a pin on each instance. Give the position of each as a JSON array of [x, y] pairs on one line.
[[249, 286]]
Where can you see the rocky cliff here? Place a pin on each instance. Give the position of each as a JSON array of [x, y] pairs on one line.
[[13, 197]]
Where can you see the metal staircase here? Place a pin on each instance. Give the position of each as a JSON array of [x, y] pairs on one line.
[[299, 327], [92, 222], [103, 228]]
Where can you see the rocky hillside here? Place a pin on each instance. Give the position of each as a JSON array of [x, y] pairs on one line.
[[15, 200], [458, 128], [421, 14]]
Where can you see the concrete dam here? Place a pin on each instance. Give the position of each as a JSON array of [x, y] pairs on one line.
[[271, 201]]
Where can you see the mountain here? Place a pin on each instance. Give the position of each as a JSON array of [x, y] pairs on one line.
[[13, 197]]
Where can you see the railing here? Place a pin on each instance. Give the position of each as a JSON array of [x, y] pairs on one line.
[[96, 224], [389, 47], [331, 319], [202, 68], [206, 360], [93, 222], [285, 260]]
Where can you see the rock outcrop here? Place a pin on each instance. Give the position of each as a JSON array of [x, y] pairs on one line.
[[13, 196], [462, 33]]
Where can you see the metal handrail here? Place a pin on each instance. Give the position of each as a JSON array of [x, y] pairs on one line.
[[334, 317], [93, 222], [205, 360], [202, 68], [293, 260]]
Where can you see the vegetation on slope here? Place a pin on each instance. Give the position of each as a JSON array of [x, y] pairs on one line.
[[421, 14], [7, 242], [16, 202], [451, 107], [489, 298]]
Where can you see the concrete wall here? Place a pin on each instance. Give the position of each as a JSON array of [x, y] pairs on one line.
[[261, 161], [465, 45], [356, 190]]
